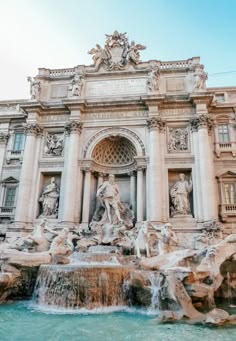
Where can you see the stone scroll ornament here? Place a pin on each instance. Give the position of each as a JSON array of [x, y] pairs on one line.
[[178, 139], [49, 200], [54, 144], [117, 52]]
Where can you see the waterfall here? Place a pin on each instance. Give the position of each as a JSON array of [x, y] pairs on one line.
[[155, 290], [229, 291], [73, 286]]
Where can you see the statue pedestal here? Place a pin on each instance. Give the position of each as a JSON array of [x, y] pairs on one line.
[[183, 222]]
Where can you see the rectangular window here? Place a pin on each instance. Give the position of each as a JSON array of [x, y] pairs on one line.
[[223, 130], [230, 193], [18, 141], [10, 197]]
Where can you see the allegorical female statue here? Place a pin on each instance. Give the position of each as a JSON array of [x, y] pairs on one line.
[[50, 199], [179, 194]]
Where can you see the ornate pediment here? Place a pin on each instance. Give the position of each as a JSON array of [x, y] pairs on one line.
[[117, 52], [10, 180]]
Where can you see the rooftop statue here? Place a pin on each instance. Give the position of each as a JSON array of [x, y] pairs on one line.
[[35, 88], [117, 52], [200, 78]]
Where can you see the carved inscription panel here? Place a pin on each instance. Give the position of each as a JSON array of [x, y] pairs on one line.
[[116, 87]]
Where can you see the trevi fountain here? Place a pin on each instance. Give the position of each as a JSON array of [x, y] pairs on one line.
[[118, 205]]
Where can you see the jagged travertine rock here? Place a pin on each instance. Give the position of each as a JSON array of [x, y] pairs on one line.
[[169, 260]]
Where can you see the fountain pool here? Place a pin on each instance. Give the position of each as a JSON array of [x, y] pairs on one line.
[[24, 321]]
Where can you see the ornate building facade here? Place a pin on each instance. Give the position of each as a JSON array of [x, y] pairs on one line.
[[169, 141]]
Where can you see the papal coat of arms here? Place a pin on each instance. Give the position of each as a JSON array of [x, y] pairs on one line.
[[117, 52]]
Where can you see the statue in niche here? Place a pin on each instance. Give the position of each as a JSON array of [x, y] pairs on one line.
[[77, 85], [179, 194], [110, 209], [50, 199], [178, 140], [108, 192], [35, 88], [167, 237], [200, 78], [153, 79], [54, 144]]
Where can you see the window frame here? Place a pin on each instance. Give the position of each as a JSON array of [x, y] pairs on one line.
[[222, 134], [20, 143]]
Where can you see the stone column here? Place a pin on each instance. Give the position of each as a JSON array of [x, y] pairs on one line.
[[155, 124], [3, 143], [100, 179], [140, 193], [25, 192], [203, 123], [132, 191], [197, 185], [73, 129], [100, 182], [86, 197]]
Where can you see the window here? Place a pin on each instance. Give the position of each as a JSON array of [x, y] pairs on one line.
[[223, 130], [230, 193], [18, 142], [10, 197], [220, 98]]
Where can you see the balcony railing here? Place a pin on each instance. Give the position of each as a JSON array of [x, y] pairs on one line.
[[227, 211], [14, 155], [7, 211], [221, 147]]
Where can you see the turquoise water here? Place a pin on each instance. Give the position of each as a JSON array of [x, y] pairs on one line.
[[24, 322]]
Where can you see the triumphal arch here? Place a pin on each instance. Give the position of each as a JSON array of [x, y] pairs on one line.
[[169, 141]]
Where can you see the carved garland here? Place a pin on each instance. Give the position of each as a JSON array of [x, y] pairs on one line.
[[111, 131]]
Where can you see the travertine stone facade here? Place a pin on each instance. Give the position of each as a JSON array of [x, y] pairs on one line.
[[145, 122]]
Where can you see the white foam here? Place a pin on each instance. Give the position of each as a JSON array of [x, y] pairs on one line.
[[85, 311]]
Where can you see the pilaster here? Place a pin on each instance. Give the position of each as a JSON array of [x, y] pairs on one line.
[[24, 211], [155, 126], [207, 207], [71, 172]]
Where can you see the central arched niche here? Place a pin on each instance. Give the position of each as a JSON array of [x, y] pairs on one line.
[[114, 154], [114, 151]]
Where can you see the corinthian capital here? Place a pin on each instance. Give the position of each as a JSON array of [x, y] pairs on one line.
[[202, 121], [156, 123], [4, 138], [73, 126], [33, 129]]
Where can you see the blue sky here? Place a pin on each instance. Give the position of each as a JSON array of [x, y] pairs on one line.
[[58, 33]]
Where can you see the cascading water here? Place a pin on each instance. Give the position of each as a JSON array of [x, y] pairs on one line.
[[155, 290], [73, 286]]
